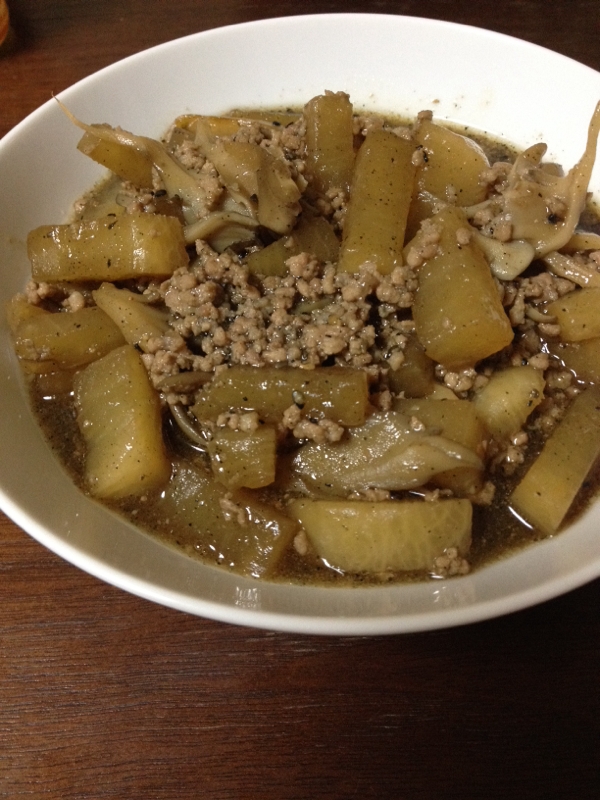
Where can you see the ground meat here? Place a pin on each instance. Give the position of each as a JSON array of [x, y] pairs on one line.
[[291, 417], [372, 495], [301, 543], [233, 511], [188, 154], [450, 563], [459, 382], [325, 430], [427, 246], [248, 422], [485, 496]]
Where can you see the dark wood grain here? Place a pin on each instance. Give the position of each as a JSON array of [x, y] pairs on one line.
[[104, 695]]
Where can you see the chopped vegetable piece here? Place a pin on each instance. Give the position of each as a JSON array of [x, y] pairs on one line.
[[384, 453], [250, 171], [109, 249], [533, 189], [565, 266], [222, 229], [441, 392], [176, 179], [218, 126], [278, 194], [126, 162], [313, 235], [276, 118], [582, 240], [137, 321], [329, 142], [507, 260], [380, 196], [457, 311], [458, 420], [453, 164], [583, 358], [47, 342], [423, 205], [119, 416], [507, 400], [545, 494], [415, 376], [357, 536], [232, 529], [236, 162], [578, 314], [19, 310], [240, 458], [337, 393]]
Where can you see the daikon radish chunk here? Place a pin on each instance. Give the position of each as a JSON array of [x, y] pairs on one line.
[[578, 314], [47, 342], [415, 376], [277, 119], [380, 195], [441, 392], [545, 494], [313, 235], [19, 310], [329, 141], [338, 393], [110, 249], [512, 394], [230, 528], [137, 320], [422, 206], [244, 458], [357, 536], [216, 126], [453, 164], [458, 313], [583, 358], [118, 413]]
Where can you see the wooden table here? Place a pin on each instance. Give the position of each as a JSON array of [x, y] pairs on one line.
[[104, 695]]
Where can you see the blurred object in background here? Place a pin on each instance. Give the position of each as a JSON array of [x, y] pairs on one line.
[[7, 36], [4, 21]]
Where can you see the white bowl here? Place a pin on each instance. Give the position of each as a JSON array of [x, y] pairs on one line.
[[389, 63]]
